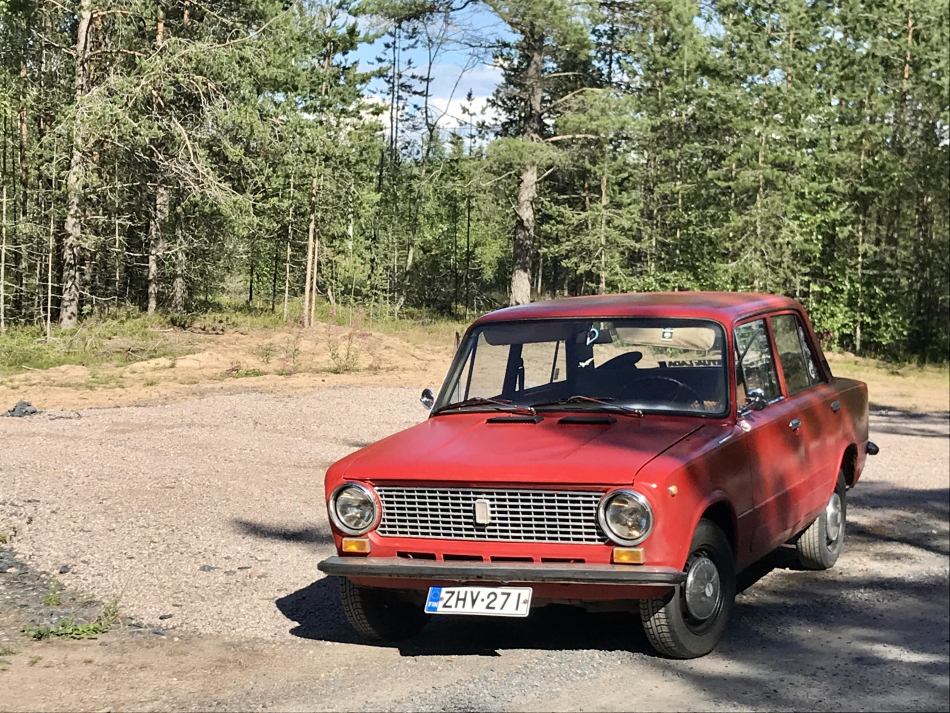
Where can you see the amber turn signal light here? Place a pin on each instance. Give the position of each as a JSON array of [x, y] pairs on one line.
[[356, 545], [628, 555]]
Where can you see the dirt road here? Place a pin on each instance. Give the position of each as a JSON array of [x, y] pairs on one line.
[[207, 519]]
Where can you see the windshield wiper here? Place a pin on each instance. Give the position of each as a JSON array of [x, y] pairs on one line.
[[498, 404], [603, 403]]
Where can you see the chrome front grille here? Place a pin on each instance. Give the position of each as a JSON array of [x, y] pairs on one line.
[[567, 516]]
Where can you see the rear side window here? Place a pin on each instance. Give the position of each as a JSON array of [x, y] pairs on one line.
[[755, 365], [798, 363]]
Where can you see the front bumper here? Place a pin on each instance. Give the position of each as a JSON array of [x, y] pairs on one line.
[[509, 572]]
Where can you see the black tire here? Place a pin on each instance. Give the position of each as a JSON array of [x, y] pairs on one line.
[[817, 549], [380, 614], [670, 626]]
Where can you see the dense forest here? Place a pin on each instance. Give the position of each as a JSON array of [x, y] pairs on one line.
[[157, 154]]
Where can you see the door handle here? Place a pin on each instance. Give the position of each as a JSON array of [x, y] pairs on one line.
[[795, 424], [835, 405]]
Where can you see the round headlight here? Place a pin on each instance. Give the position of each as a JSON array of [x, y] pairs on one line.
[[626, 517], [353, 508]]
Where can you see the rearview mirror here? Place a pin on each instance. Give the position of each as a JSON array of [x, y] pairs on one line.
[[756, 401], [427, 399]]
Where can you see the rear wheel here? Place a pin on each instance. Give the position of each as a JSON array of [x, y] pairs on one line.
[[823, 542], [691, 620], [380, 614]]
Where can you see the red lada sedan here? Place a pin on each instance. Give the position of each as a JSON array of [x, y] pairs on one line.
[[613, 452]]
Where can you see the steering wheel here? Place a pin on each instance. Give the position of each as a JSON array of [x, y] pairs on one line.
[[680, 387]]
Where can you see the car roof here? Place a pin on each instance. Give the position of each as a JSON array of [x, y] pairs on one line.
[[724, 307]]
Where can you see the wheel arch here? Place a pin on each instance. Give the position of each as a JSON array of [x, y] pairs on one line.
[[722, 514], [849, 464]]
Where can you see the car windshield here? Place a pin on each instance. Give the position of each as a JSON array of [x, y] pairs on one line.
[[642, 364]]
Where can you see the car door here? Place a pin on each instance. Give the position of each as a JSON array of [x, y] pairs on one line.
[[812, 399], [774, 450]]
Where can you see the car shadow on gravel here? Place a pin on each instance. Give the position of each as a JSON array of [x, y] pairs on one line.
[[319, 616], [883, 636], [916, 517], [908, 423], [306, 535]]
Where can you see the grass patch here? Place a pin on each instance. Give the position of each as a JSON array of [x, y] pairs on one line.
[[34, 660], [96, 380], [54, 596], [234, 313], [7, 651], [936, 375], [121, 340], [69, 628], [236, 371], [266, 352], [125, 336]]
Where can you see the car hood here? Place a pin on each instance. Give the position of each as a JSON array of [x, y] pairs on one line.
[[468, 448]]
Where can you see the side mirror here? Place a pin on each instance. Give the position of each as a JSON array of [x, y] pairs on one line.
[[427, 399], [756, 401]]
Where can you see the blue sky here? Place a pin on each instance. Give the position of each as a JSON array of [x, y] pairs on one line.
[[457, 69]]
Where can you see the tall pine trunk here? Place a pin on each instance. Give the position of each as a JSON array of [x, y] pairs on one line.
[[290, 237], [310, 257], [72, 226], [603, 230], [178, 290], [156, 233], [523, 234], [523, 238], [3, 261], [156, 243], [22, 230]]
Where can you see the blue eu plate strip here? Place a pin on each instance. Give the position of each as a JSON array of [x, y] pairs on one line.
[[432, 603]]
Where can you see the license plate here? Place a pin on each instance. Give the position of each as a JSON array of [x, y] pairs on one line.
[[483, 601]]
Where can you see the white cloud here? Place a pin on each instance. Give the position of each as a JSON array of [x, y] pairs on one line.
[[450, 89], [456, 81], [448, 94], [453, 112]]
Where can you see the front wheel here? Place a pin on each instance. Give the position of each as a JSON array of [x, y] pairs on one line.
[[823, 542], [380, 614], [691, 620]]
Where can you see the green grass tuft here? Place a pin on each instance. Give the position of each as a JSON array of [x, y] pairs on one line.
[[54, 596], [69, 628]]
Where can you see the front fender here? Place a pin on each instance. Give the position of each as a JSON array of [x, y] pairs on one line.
[[675, 520], [707, 468]]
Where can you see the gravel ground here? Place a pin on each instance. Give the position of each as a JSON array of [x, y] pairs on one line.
[[207, 519], [207, 511]]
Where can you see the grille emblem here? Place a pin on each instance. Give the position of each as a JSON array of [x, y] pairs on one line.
[[482, 512]]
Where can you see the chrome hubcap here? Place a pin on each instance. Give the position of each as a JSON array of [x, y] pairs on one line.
[[833, 517], [702, 588]]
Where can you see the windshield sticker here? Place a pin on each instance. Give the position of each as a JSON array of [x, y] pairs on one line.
[[689, 362], [592, 335]]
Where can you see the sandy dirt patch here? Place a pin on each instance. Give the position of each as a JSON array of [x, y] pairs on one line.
[[913, 389], [284, 361]]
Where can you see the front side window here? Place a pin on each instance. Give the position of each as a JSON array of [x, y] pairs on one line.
[[672, 365], [755, 367], [798, 363]]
